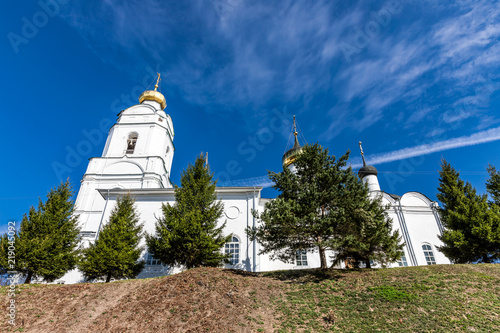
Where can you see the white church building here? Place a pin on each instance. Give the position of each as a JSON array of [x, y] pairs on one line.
[[137, 159]]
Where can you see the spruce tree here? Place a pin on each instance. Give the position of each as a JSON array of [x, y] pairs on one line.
[[4, 254], [471, 225], [493, 184], [188, 235], [116, 252], [366, 234], [493, 188], [47, 241], [305, 215], [324, 206]]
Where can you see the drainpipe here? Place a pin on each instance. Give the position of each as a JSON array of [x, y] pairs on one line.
[[407, 235], [254, 241], [436, 215], [247, 266]]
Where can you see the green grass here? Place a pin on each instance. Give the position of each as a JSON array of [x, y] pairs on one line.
[[451, 298], [442, 298]]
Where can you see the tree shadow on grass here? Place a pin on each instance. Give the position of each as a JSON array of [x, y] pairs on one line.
[[316, 275]]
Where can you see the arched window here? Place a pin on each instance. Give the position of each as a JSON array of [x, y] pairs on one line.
[[429, 254], [131, 141], [233, 248]]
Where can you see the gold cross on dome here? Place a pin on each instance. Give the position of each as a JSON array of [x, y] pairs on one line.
[[361, 148], [157, 81]]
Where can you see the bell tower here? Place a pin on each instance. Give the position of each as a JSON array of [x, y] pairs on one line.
[[138, 154], [368, 174]]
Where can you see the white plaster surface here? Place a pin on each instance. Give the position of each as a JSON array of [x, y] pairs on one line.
[[145, 174]]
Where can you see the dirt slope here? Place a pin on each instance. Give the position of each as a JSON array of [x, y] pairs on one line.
[[437, 298], [198, 300]]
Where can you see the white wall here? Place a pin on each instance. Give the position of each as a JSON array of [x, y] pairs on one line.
[[417, 220]]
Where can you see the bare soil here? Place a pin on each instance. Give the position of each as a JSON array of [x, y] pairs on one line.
[[197, 300], [437, 298]]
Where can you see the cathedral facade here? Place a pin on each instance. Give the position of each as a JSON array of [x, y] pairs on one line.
[[137, 159]]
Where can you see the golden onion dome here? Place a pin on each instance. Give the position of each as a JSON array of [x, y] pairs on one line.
[[290, 155], [154, 95]]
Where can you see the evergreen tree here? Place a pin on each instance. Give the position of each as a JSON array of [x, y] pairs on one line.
[[367, 234], [471, 225], [188, 235], [47, 241], [493, 184], [493, 188], [116, 251], [304, 216], [324, 206], [4, 254]]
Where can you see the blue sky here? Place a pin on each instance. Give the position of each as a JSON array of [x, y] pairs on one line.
[[415, 81]]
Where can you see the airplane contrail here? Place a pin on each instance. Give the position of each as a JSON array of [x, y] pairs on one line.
[[490, 135], [485, 136]]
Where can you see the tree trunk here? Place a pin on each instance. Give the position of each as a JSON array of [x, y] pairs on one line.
[[486, 260], [368, 264], [28, 278], [322, 257], [108, 278]]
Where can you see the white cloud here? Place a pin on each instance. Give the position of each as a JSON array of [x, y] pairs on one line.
[[463, 42], [419, 115], [456, 115], [256, 52], [435, 132]]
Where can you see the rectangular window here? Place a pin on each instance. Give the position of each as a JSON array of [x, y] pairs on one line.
[[301, 258], [88, 234], [402, 262], [152, 261], [362, 264]]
